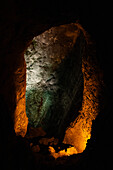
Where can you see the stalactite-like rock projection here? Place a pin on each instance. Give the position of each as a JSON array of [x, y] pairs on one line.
[[63, 86]]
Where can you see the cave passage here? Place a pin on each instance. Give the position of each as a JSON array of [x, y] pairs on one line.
[[62, 88]]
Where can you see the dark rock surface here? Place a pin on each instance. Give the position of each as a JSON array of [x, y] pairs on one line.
[[22, 20]]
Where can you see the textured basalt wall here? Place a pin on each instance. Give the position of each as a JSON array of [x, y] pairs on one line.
[[54, 78], [22, 20], [20, 23]]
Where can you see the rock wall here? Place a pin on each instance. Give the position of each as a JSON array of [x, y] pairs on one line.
[[20, 22], [54, 78], [20, 118], [13, 86]]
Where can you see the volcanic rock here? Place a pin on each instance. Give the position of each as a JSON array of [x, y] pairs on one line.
[[54, 78]]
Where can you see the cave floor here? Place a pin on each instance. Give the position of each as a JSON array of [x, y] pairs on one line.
[[28, 153], [43, 158]]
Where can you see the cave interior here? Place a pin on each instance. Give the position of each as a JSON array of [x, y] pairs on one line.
[[61, 31]]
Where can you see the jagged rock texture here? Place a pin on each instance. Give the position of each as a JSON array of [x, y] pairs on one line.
[[54, 78]]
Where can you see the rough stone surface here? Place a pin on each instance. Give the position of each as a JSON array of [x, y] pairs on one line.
[[20, 118], [54, 77], [22, 20]]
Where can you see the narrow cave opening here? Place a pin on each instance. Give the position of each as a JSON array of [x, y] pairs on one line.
[[62, 88]]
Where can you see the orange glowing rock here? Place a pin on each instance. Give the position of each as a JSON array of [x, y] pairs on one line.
[[20, 117], [21, 120], [70, 151], [79, 131]]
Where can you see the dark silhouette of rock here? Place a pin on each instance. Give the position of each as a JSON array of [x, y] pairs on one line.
[[22, 20]]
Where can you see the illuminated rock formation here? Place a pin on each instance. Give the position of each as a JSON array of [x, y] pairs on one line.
[[20, 117], [54, 86], [54, 78], [20, 22], [79, 131]]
